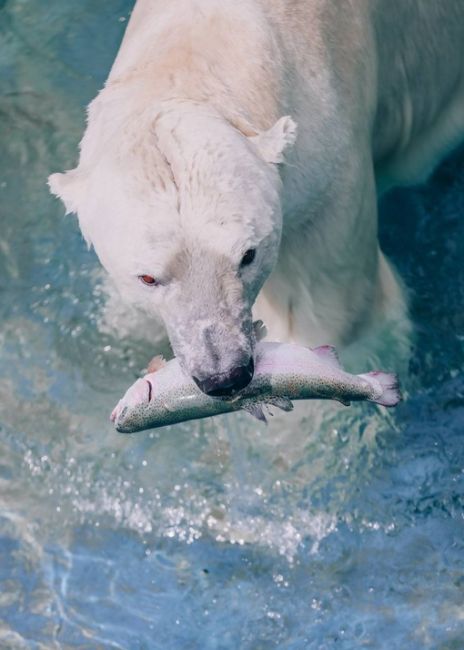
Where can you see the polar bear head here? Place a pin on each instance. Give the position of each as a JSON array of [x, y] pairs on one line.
[[183, 210]]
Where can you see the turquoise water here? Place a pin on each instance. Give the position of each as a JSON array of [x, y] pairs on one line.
[[342, 529]]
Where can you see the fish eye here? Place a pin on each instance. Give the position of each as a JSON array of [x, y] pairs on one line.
[[248, 258], [149, 280]]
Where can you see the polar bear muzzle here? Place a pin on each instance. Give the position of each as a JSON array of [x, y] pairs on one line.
[[228, 383]]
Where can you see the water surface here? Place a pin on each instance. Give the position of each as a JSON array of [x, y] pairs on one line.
[[339, 530]]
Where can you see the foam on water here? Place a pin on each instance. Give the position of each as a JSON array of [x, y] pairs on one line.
[[331, 528]]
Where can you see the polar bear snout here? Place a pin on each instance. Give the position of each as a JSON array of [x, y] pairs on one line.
[[227, 383], [216, 351]]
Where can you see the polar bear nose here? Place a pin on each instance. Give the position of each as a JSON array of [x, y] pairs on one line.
[[227, 383]]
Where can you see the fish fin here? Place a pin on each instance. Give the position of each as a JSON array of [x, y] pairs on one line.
[[256, 410], [156, 363], [282, 403], [328, 354], [345, 402], [260, 330], [388, 384]]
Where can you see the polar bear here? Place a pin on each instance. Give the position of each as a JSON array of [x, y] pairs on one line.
[[231, 165]]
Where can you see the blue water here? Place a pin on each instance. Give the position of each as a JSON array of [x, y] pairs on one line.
[[340, 530]]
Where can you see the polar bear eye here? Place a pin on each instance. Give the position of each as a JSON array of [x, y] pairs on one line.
[[148, 280], [248, 257]]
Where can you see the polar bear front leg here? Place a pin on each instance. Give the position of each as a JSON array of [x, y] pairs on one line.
[[331, 282]]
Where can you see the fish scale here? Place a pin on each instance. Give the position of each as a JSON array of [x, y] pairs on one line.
[[284, 373]]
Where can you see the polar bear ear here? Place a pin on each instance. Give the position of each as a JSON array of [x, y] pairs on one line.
[[273, 143], [67, 187]]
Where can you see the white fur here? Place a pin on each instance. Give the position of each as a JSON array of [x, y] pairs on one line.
[[191, 157]]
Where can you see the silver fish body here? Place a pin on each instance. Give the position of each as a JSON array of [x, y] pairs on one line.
[[283, 372]]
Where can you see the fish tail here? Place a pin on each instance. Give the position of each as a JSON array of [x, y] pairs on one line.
[[386, 386]]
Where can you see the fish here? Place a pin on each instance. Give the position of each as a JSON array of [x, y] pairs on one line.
[[284, 372]]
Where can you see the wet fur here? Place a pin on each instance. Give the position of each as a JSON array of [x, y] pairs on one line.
[[182, 164]]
